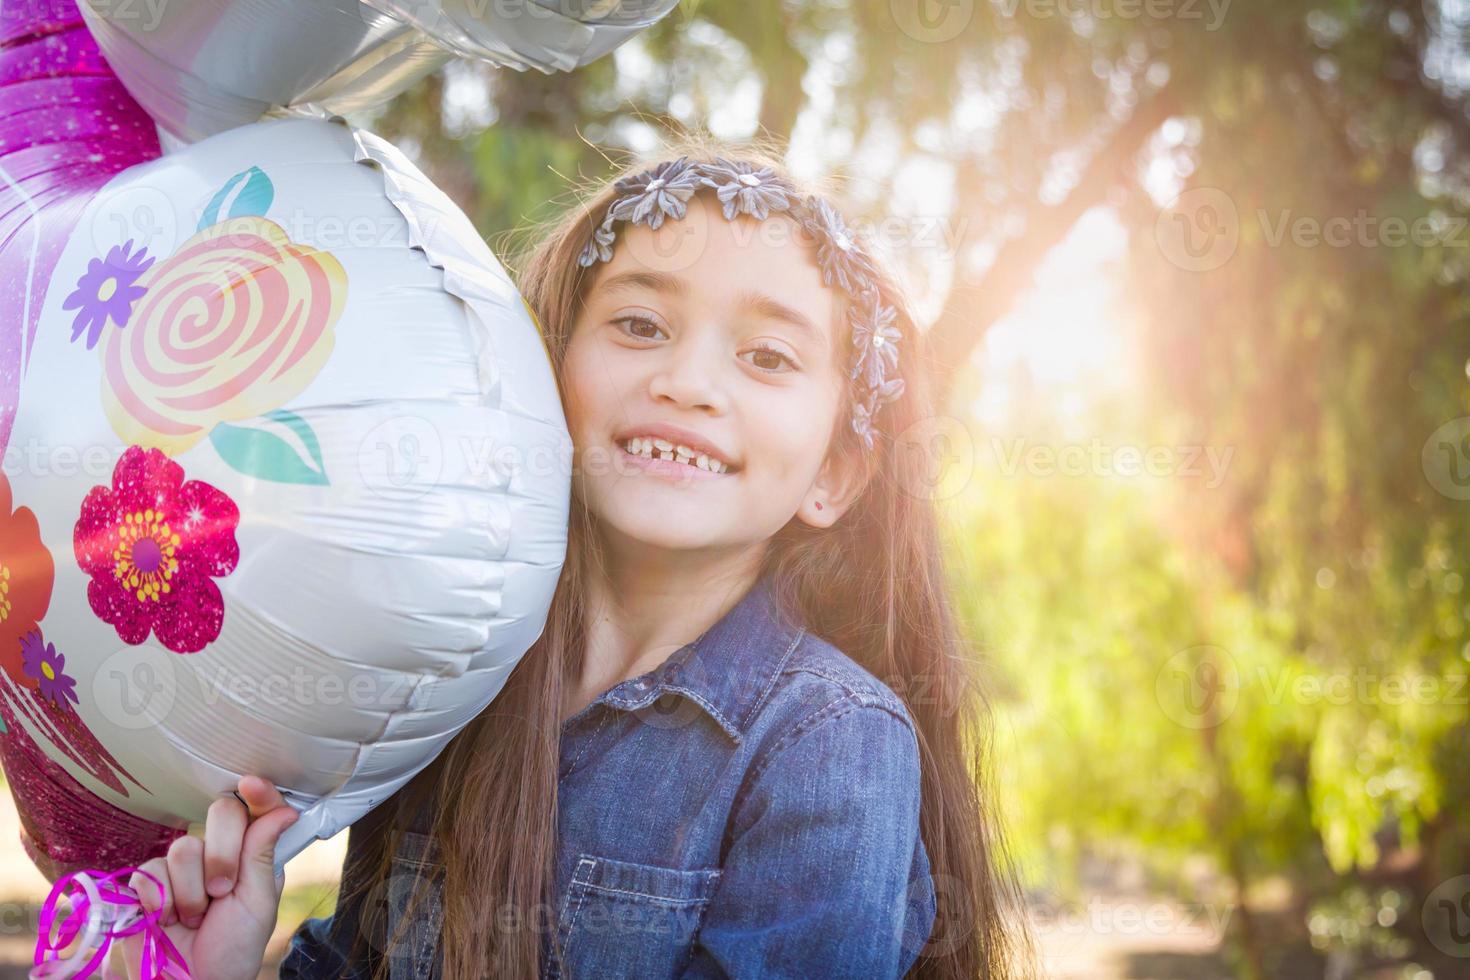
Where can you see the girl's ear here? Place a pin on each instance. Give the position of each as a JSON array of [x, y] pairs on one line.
[[837, 486]]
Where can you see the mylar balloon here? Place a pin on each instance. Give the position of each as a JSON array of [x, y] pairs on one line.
[[205, 66], [286, 489], [550, 35]]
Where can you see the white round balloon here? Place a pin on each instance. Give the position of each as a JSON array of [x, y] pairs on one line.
[[205, 66], [298, 465]]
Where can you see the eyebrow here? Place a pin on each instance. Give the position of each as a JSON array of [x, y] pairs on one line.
[[750, 299]]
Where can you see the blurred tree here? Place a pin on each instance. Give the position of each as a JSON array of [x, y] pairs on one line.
[[1333, 368]]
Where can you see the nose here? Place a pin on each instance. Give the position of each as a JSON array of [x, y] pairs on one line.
[[690, 375]]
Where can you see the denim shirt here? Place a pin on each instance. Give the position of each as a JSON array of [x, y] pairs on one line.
[[748, 808]]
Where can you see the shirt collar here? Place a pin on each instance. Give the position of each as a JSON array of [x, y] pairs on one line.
[[728, 672]]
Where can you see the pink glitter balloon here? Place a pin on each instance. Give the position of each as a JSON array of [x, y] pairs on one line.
[[67, 126]]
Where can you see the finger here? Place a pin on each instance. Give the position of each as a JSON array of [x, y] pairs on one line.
[[149, 895], [186, 875], [258, 856], [260, 795], [224, 830]]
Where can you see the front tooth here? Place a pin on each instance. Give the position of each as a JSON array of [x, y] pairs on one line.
[[702, 461], [662, 445], [635, 445], [722, 467], [665, 455], [684, 450]]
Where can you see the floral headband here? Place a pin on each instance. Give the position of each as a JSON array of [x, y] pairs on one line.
[[652, 195]]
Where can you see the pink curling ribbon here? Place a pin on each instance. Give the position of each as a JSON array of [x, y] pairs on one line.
[[103, 910]]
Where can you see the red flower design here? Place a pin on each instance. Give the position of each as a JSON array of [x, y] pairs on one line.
[[26, 575], [153, 545]]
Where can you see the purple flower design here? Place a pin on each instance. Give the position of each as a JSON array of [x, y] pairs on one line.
[[742, 188], [886, 392], [865, 410], [599, 249], [837, 247], [862, 422], [106, 291], [652, 195], [874, 338], [41, 661]]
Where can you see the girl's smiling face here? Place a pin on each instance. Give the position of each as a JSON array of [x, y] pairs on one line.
[[718, 335]]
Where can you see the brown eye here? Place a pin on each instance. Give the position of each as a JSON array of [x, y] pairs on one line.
[[770, 360], [640, 327]]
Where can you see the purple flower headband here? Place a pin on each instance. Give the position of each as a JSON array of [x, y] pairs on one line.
[[649, 197]]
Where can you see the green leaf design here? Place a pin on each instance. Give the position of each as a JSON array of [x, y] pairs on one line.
[[260, 452], [254, 197]]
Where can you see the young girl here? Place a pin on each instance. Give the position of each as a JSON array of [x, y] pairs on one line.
[[748, 742]]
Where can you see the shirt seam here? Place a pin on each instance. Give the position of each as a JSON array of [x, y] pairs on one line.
[[878, 698], [775, 676], [849, 702]]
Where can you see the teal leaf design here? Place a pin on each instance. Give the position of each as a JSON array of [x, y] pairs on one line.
[[252, 193], [279, 446]]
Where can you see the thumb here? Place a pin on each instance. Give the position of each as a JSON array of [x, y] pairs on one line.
[[258, 851]]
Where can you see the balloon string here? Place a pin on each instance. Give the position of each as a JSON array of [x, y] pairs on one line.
[[102, 910]]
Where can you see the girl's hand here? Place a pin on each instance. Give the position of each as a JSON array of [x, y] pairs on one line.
[[221, 893]]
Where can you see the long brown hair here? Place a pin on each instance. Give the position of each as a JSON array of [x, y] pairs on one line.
[[873, 585]]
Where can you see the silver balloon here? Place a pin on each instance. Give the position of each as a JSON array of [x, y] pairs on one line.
[[201, 67], [551, 35]]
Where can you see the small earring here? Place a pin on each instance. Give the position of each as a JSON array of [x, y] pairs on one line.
[[819, 504]]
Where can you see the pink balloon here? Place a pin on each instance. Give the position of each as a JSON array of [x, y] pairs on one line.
[[67, 126]]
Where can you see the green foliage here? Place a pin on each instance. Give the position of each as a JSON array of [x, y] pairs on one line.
[[1323, 581]]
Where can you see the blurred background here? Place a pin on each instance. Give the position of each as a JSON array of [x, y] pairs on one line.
[[1195, 270]]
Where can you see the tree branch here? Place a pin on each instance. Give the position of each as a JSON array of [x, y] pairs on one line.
[[972, 307]]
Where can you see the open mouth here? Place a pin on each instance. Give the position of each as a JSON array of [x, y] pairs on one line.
[[651, 448]]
